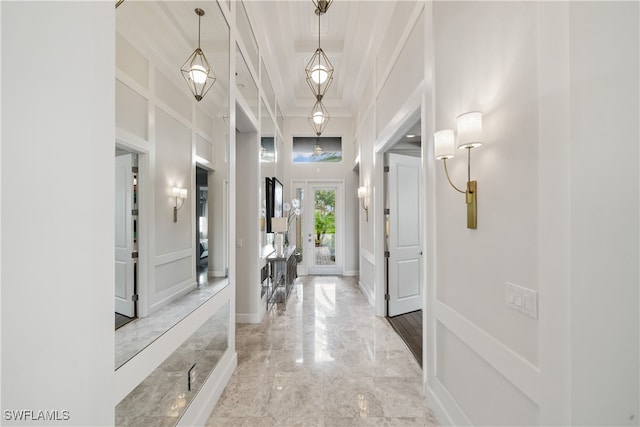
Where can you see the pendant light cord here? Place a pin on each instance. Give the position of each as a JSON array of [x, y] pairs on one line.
[[319, 51], [199, 19]]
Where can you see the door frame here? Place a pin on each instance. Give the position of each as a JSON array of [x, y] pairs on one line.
[[145, 218], [414, 108], [308, 205]]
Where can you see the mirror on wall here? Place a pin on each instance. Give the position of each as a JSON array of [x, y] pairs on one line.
[[247, 87], [158, 118], [160, 393], [267, 168]]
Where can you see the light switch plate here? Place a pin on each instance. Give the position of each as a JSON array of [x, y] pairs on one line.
[[521, 299]]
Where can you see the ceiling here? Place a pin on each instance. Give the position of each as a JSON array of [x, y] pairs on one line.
[[350, 32], [350, 35]]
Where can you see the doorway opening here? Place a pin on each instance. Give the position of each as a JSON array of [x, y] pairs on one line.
[[403, 231], [318, 234], [126, 237], [202, 225]]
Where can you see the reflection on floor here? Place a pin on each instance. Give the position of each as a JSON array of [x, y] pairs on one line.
[[325, 361], [409, 327], [135, 336]]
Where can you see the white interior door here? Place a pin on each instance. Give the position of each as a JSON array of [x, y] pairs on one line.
[[324, 228], [124, 247], [405, 249]]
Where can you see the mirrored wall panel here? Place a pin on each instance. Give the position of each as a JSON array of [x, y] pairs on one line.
[[164, 128], [164, 396]]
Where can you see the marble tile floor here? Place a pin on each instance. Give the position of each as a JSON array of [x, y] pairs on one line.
[[326, 360], [138, 334]]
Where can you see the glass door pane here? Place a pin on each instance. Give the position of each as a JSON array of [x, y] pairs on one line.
[[324, 222]]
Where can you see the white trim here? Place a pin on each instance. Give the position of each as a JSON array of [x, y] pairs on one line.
[[173, 256], [173, 293], [132, 142], [209, 394], [250, 317], [408, 29], [367, 256], [515, 368], [412, 108], [367, 293], [338, 268], [215, 273], [350, 273], [446, 409]]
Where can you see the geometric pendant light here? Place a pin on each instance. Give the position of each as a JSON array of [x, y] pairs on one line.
[[196, 70], [319, 69], [319, 117], [322, 5], [319, 72]]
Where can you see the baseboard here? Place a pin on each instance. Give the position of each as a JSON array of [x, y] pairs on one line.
[[179, 293], [203, 403], [351, 273], [249, 317], [215, 273], [367, 293], [437, 408]]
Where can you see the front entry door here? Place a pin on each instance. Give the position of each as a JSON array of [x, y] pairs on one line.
[[124, 236], [324, 228], [405, 250]]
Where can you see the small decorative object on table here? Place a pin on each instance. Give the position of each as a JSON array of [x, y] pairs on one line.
[[291, 210], [279, 226]]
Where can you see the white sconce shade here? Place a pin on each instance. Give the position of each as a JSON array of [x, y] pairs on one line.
[[180, 193], [444, 144], [362, 192], [279, 225], [470, 130]]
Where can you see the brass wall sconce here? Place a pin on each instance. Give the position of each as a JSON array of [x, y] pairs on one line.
[[469, 136], [179, 194], [362, 194]]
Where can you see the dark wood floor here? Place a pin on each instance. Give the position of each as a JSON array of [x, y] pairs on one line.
[[122, 320], [409, 327]]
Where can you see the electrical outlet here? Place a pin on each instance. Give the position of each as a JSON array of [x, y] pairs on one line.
[[521, 299], [191, 377]]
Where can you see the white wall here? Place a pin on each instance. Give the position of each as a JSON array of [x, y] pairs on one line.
[[248, 308], [558, 86], [57, 209], [604, 111]]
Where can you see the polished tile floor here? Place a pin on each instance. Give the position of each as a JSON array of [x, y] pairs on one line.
[[326, 360]]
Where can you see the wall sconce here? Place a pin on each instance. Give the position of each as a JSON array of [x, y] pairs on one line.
[[178, 193], [362, 194], [469, 136]]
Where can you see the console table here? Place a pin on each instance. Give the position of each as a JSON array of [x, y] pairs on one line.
[[282, 273]]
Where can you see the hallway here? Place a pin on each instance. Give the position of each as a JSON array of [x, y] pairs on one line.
[[326, 360]]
